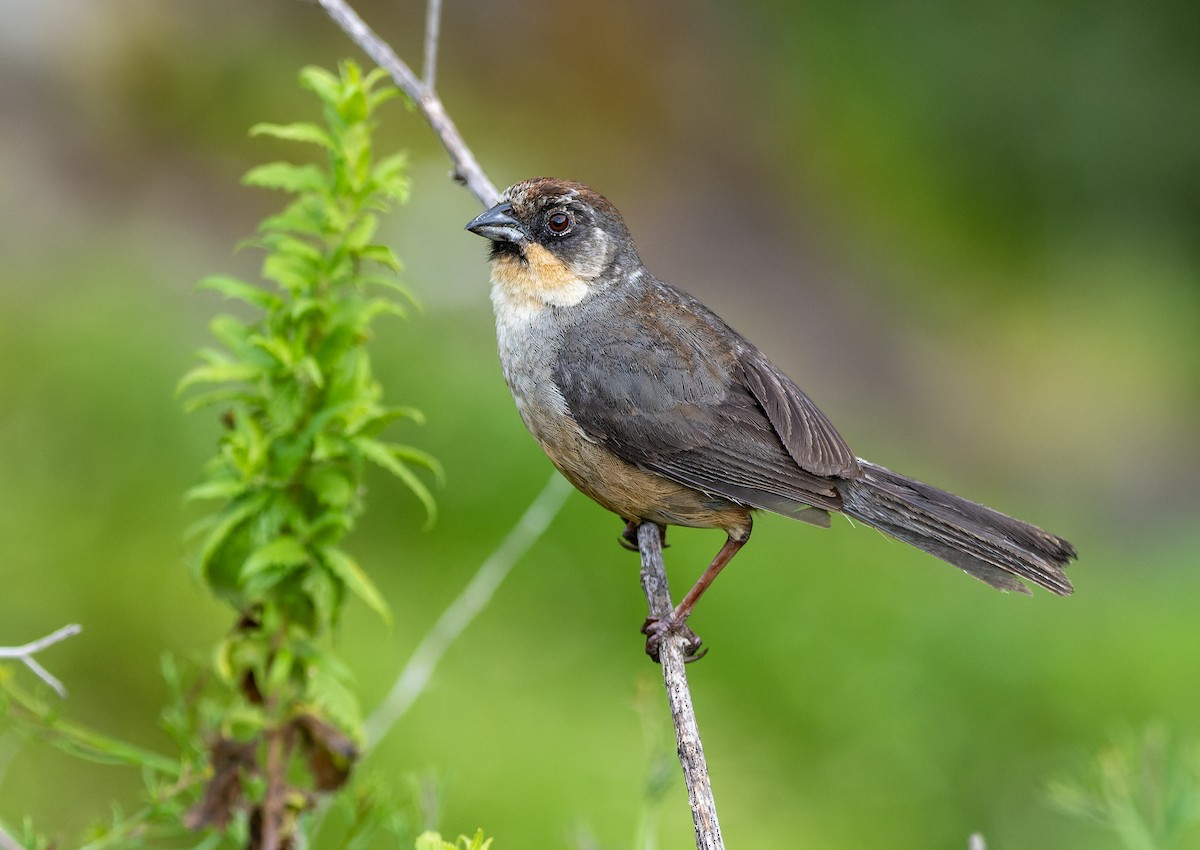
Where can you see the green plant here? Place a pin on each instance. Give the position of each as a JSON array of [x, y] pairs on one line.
[[272, 727], [1144, 789], [303, 414]]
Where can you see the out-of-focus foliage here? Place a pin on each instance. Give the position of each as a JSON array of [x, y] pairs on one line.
[[968, 231]]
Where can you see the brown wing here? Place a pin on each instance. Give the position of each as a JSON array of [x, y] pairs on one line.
[[806, 433], [673, 390]]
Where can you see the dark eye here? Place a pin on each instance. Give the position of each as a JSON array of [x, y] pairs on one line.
[[559, 223]]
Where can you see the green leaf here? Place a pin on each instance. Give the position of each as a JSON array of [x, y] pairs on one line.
[[226, 487], [383, 255], [355, 578], [231, 287], [415, 455], [298, 132], [290, 272], [288, 177], [432, 841], [389, 176], [229, 330], [306, 215], [281, 552], [319, 81], [228, 521], [221, 373], [384, 455], [332, 487]]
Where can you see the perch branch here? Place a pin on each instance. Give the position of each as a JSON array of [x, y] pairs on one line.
[[679, 697], [466, 168], [25, 654]]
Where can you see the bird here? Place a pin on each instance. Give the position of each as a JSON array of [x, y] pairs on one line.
[[659, 411]]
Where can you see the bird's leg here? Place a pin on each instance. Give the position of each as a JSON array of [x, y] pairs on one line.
[[628, 538], [656, 628]]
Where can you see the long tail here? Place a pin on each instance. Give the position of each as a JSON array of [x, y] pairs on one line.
[[994, 548]]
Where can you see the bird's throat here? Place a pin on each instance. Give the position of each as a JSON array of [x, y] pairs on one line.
[[533, 282]]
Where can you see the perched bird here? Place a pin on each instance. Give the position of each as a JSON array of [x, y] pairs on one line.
[[659, 411]]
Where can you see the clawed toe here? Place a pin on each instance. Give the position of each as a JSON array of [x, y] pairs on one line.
[[629, 537], [657, 629]]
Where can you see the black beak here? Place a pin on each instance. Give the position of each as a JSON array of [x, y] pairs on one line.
[[498, 224]]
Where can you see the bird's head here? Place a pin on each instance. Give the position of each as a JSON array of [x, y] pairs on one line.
[[555, 241]]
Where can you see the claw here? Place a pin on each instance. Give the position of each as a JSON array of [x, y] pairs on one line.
[[657, 629], [629, 537]]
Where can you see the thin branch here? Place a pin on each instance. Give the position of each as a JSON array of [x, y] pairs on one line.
[[473, 599], [7, 842], [433, 23], [679, 697], [466, 168], [25, 654]]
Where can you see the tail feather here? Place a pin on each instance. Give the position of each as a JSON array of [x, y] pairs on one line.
[[994, 548]]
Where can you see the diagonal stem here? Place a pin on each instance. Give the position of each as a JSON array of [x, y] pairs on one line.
[[473, 599], [679, 697], [466, 169]]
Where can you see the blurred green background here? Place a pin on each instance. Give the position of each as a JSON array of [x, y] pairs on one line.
[[970, 232]]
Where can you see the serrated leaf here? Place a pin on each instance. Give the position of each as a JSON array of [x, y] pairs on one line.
[[415, 455], [306, 214], [322, 83], [356, 580], [276, 348], [287, 244], [311, 370], [361, 233], [375, 419], [382, 454], [283, 551], [287, 176], [383, 255], [332, 487], [228, 521], [231, 287], [218, 488], [219, 373], [298, 132], [289, 272], [220, 396]]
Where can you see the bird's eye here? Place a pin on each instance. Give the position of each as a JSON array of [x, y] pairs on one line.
[[559, 223]]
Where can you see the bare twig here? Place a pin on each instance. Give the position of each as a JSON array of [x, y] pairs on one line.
[[473, 599], [466, 169], [679, 697], [433, 23], [7, 842], [25, 654]]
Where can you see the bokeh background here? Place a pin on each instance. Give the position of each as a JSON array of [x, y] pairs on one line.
[[970, 231]]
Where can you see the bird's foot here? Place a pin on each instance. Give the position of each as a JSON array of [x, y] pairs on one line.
[[628, 538], [658, 629]]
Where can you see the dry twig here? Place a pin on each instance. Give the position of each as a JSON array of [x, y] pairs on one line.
[[25, 654]]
